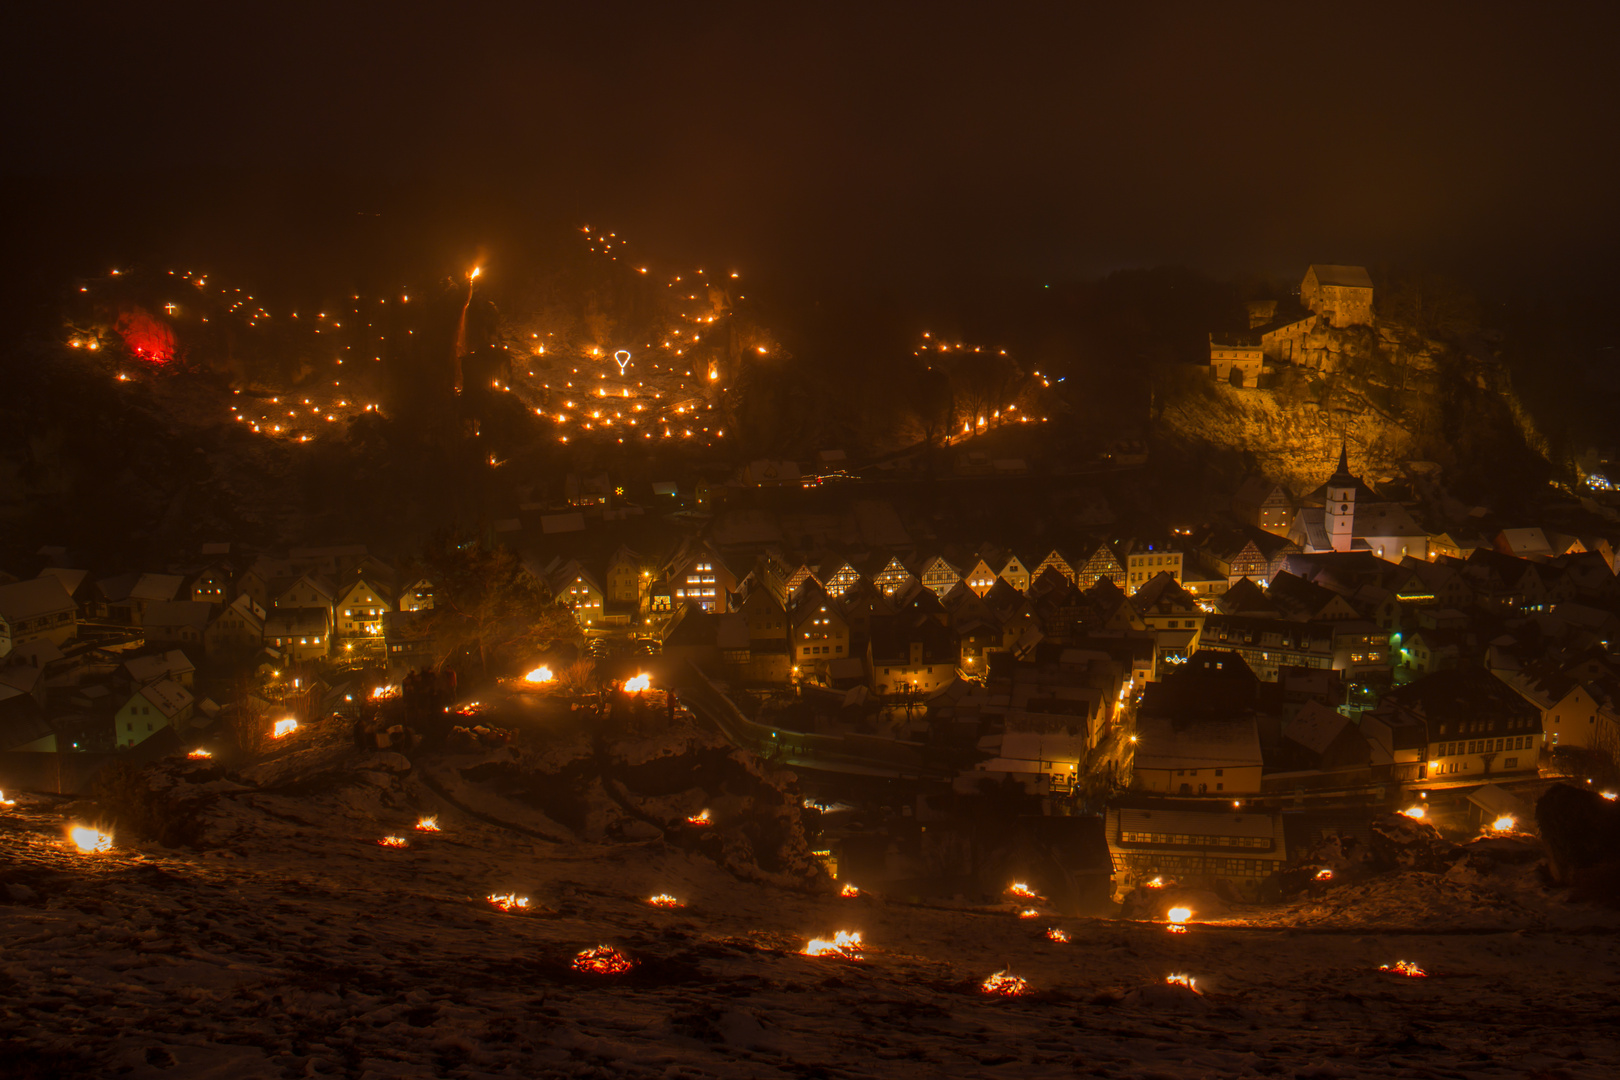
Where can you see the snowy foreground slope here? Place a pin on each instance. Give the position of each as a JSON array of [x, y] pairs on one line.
[[293, 944]]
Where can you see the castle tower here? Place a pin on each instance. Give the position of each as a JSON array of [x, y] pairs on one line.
[[1341, 504]]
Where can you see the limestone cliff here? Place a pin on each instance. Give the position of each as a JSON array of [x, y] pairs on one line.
[[1393, 395]]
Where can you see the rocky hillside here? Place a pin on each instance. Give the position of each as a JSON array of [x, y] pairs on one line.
[[1389, 393]]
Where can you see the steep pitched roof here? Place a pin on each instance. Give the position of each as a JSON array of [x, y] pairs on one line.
[[29, 599], [1352, 277]]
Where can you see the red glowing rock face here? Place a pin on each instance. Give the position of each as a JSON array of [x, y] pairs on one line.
[[146, 337]]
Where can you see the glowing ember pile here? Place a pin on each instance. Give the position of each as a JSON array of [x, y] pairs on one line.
[[844, 943], [637, 684], [200, 754], [284, 728], [509, 901], [1178, 916], [1610, 795], [699, 821], [1004, 984], [539, 675], [1029, 913], [1405, 967], [664, 900], [428, 824], [849, 891], [90, 841], [1019, 889], [1324, 874], [1416, 813], [393, 841], [1058, 935], [603, 960], [1154, 883], [1183, 980], [1505, 823]]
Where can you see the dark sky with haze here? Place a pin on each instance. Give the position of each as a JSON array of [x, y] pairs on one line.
[[899, 146]]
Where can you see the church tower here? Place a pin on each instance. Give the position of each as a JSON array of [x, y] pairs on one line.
[[1341, 504]]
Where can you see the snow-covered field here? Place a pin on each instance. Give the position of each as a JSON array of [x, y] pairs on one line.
[[300, 947]]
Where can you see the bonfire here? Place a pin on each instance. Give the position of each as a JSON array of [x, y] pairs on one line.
[[664, 900], [1503, 824], [637, 684], [200, 754], [603, 960], [843, 943], [1405, 967], [5, 801], [428, 824], [1178, 917], [539, 676], [1058, 935], [90, 841], [1183, 980], [393, 841], [1019, 889], [849, 892], [1416, 813], [1610, 795], [1004, 984], [1030, 913], [383, 693], [284, 728], [1324, 874], [509, 901], [699, 821]]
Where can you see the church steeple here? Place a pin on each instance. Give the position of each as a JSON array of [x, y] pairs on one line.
[[1342, 477], [1341, 503]]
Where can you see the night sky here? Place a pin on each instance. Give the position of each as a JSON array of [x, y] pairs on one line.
[[884, 145]]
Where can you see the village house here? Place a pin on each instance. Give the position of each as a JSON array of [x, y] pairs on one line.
[[1264, 504], [938, 575], [818, 630], [180, 622], [1342, 295], [1472, 727], [626, 580], [1574, 712], [1240, 550], [124, 598], [1145, 560], [407, 642], [700, 575], [150, 709], [238, 629], [1054, 560], [1268, 645], [889, 573], [155, 667], [1197, 730], [211, 584], [308, 592], [299, 634], [838, 575], [913, 655], [1209, 845], [1100, 564], [360, 606], [33, 610], [1236, 357], [1319, 747], [417, 595], [576, 588]]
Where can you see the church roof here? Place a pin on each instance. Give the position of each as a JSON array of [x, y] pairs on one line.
[[1354, 277], [1342, 477]]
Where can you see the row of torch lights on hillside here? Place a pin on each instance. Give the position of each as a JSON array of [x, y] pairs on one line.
[[843, 944]]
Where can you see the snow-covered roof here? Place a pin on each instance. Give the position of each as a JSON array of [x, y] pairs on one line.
[[29, 599], [156, 587], [167, 696], [148, 669]]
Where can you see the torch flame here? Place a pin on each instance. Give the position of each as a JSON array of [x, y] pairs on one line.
[[1004, 984], [603, 960], [637, 684], [90, 841], [1405, 967], [539, 675], [284, 728], [1183, 980], [844, 943], [428, 824], [849, 891], [508, 901], [664, 900]]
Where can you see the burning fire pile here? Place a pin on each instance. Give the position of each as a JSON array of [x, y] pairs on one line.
[[393, 841], [200, 754], [509, 902], [1022, 891], [700, 821], [90, 841], [603, 960], [1406, 968], [1154, 883], [1178, 917], [428, 824], [849, 892], [1004, 984], [637, 684], [1507, 823], [384, 693], [1416, 813], [284, 728], [1324, 874], [844, 944], [1186, 981], [539, 676], [1030, 913], [5, 801], [1058, 935], [664, 900]]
